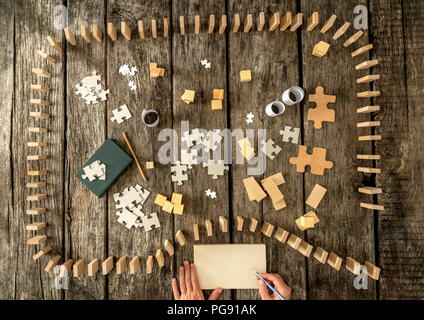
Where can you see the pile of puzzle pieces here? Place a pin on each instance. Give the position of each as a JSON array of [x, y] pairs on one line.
[[129, 204], [270, 184], [90, 89], [95, 170], [203, 140], [174, 206]]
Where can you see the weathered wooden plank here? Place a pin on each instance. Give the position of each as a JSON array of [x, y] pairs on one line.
[[9, 231], [274, 68], [34, 23], [341, 219], [400, 226], [190, 74], [151, 93], [85, 230]]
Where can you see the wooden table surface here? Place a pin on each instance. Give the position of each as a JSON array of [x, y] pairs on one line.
[[79, 225]]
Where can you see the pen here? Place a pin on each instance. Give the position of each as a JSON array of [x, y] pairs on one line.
[[269, 286]]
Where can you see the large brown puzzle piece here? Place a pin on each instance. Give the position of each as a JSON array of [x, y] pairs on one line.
[[316, 160], [321, 112]]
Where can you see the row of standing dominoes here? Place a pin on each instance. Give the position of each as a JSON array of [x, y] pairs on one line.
[[32, 185], [320, 50], [368, 124], [267, 229], [286, 22]]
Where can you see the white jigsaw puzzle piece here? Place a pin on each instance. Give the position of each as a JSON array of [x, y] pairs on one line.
[[129, 198], [249, 118], [290, 134], [269, 149], [120, 114], [148, 221], [95, 170], [128, 219], [212, 140], [102, 94], [189, 158], [215, 168], [124, 69], [205, 63], [180, 173]]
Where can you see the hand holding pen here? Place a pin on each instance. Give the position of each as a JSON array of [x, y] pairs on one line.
[[277, 283]]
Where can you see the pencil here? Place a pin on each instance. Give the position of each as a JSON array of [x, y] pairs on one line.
[[134, 156], [269, 286]]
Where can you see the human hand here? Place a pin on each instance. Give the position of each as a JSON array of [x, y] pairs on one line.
[[189, 285], [277, 282]]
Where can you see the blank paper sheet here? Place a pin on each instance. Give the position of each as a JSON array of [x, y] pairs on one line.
[[229, 266]]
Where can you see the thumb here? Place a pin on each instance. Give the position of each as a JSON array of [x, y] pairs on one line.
[[215, 294], [263, 291]]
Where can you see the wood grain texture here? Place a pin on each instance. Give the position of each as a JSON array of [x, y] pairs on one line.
[[31, 31], [151, 93], [279, 66], [344, 228], [400, 226], [85, 132], [81, 226], [9, 231], [188, 73]]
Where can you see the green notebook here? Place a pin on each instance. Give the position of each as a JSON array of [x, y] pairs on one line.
[[116, 161]]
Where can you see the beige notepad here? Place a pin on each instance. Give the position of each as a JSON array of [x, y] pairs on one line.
[[229, 266]]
